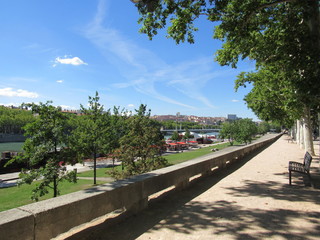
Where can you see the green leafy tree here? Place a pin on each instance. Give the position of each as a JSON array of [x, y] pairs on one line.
[[92, 134], [283, 37], [245, 129], [141, 146], [13, 120], [117, 130], [228, 131], [241, 130], [46, 150], [187, 134], [175, 136], [263, 128]]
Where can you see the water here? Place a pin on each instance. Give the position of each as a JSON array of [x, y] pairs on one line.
[[11, 146], [216, 134]]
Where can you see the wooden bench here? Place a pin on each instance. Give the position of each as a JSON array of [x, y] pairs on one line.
[[302, 168]]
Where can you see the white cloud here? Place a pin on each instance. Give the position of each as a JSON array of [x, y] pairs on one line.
[[59, 81], [66, 107], [145, 71], [72, 61], [10, 104], [10, 92], [235, 100], [131, 105]]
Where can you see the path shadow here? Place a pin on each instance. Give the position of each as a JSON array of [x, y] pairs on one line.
[[174, 211], [159, 208]]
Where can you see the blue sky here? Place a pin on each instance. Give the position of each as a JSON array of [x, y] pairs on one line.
[[65, 51]]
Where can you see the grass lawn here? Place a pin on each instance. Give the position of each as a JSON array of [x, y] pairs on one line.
[[101, 172], [185, 156], [17, 196], [172, 159]]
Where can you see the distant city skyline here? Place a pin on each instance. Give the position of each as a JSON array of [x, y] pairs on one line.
[[65, 52]]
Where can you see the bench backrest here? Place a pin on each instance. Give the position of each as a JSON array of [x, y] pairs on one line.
[[307, 161]]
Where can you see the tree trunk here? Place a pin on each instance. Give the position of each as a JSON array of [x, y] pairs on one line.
[[300, 134], [308, 141], [95, 168], [55, 186]]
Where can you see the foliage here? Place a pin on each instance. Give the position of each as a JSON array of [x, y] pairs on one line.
[[245, 129], [263, 128], [187, 134], [13, 120], [46, 150], [141, 146], [175, 136], [283, 37], [92, 135], [228, 131], [241, 130]]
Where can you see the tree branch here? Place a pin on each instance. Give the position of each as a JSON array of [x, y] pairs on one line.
[[266, 6]]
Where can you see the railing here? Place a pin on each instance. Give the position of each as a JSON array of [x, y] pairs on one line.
[[49, 218], [191, 130]]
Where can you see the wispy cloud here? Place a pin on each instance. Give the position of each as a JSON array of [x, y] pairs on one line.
[[145, 71], [235, 100], [75, 61], [66, 107], [60, 81], [10, 92]]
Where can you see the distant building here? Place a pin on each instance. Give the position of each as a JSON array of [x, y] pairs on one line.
[[192, 118], [232, 117]]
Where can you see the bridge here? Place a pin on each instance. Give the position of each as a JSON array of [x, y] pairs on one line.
[[191, 130]]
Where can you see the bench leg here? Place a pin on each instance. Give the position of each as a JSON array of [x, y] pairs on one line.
[[289, 177], [310, 180]]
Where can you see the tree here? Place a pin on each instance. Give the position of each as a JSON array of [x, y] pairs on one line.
[[280, 34], [175, 136], [239, 130], [141, 146], [228, 131], [92, 133], [245, 129], [263, 128], [13, 120], [46, 150], [187, 134]]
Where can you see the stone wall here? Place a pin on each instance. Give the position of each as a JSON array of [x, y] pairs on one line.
[[49, 218]]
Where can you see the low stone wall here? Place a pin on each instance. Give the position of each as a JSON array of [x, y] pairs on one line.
[[49, 218]]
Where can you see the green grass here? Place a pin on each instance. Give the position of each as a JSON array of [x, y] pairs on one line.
[[172, 159], [101, 172], [17, 196], [185, 156], [11, 146]]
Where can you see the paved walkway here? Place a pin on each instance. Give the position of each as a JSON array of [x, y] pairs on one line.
[[252, 200]]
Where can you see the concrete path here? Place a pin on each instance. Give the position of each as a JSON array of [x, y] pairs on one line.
[[252, 200]]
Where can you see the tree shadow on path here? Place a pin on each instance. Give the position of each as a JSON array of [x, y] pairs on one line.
[[174, 212]]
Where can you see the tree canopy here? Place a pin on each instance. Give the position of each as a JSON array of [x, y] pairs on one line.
[[140, 146], [283, 34], [12, 120], [46, 150]]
